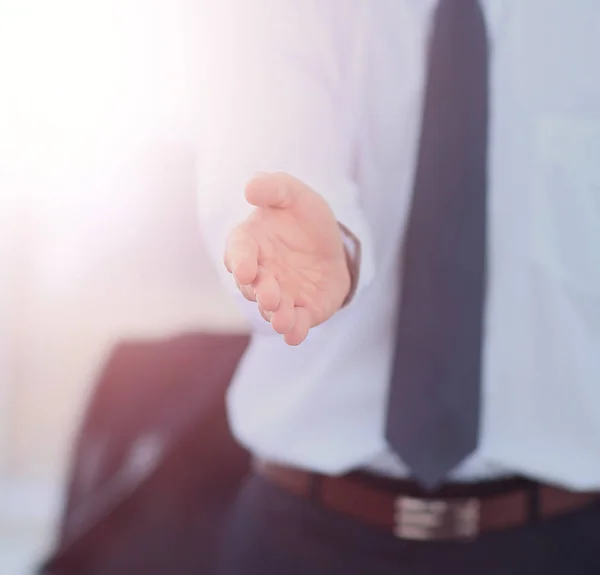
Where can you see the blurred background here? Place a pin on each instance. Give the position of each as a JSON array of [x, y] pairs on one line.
[[98, 233]]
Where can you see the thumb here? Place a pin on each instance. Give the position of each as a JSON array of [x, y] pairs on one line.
[[273, 191]]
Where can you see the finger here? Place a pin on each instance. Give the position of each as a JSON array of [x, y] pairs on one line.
[[267, 290], [284, 318], [241, 256], [226, 261], [247, 291], [272, 191], [266, 315], [301, 327]]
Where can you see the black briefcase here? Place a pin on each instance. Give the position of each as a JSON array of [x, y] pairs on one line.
[[154, 465]]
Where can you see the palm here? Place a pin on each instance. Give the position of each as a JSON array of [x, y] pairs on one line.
[[301, 255], [301, 277]]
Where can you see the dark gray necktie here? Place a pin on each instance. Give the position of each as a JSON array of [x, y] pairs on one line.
[[433, 414]]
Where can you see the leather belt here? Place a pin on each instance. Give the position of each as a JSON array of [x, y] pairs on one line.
[[428, 517]]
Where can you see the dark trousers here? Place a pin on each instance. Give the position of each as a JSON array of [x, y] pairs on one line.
[[272, 532]]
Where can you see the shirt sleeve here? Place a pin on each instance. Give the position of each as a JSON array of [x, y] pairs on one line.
[[280, 90]]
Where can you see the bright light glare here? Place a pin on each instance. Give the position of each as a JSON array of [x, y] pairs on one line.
[[84, 85], [79, 79]]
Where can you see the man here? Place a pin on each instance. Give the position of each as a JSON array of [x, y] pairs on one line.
[[409, 194]]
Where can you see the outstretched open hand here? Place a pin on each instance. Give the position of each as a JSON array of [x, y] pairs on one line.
[[288, 256]]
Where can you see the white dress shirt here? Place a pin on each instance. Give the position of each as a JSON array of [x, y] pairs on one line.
[[331, 91]]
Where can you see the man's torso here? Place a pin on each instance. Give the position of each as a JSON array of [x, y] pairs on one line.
[[322, 405]]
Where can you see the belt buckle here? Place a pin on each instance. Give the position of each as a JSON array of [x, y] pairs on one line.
[[435, 519]]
